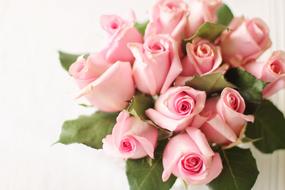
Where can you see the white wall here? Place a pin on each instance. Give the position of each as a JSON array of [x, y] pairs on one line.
[[36, 94]]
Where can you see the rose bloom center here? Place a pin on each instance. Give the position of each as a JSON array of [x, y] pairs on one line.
[[184, 104], [156, 46], [233, 101], [204, 50], [127, 145], [276, 67], [192, 164]]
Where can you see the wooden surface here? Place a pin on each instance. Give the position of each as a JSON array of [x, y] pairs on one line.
[[37, 95]]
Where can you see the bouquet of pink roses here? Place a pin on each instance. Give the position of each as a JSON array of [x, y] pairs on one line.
[[179, 94]]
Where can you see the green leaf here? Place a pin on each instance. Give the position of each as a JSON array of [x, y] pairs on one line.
[[146, 173], [88, 130], [210, 83], [143, 175], [225, 15], [249, 87], [269, 126], [209, 31], [67, 59], [239, 170], [141, 27], [139, 104]]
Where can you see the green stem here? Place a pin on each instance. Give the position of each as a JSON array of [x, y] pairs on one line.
[[186, 186]]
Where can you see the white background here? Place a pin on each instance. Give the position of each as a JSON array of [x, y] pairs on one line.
[[36, 95]]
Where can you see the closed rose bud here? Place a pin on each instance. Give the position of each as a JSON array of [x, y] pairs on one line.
[[201, 11], [244, 41], [168, 17], [202, 58], [189, 157], [226, 117], [157, 64], [131, 138], [271, 71], [177, 108], [107, 86], [121, 32]]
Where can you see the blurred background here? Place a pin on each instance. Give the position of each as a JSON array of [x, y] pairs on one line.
[[36, 94]]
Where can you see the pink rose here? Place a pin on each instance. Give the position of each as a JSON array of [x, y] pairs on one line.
[[189, 156], [176, 109], [107, 86], [244, 41], [272, 72], [202, 58], [131, 138], [157, 64], [201, 11], [168, 17], [121, 32], [226, 118]]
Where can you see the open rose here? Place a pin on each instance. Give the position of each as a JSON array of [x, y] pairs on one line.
[[245, 40], [201, 11], [226, 118], [107, 86], [189, 156], [121, 32], [202, 58], [131, 138], [168, 17], [272, 72], [157, 64], [176, 109]]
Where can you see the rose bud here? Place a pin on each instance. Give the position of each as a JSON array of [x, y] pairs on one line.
[[201, 11], [202, 58], [176, 109], [121, 32], [157, 64], [272, 72], [244, 41], [131, 138], [189, 156], [168, 17], [107, 86], [225, 117]]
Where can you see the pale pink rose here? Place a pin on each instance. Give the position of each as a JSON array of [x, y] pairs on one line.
[[107, 86], [157, 64], [245, 41], [202, 58], [201, 11], [87, 70], [168, 17], [177, 108], [189, 156], [271, 71], [121, 32], [226, 117], [131, 138]]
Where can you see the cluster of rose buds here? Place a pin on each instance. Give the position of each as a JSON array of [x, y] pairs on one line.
[[156, 64]]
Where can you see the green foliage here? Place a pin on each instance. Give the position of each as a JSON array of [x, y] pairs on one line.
[[88, 130], [141, 27], [225, 15], [269, 127], [239, 170], [139, 104], [210, 83]]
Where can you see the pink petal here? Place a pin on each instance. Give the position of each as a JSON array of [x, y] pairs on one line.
[[112, 90], [274, 87], [201, 142], [146, 145]]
